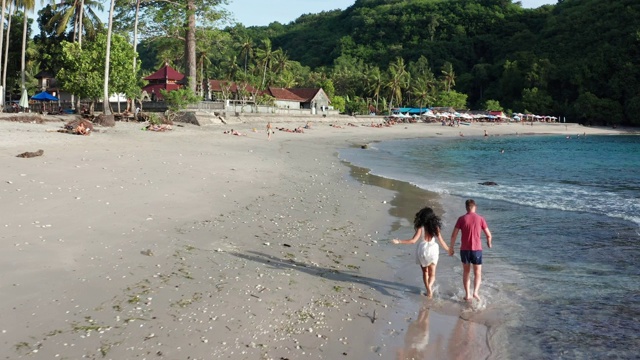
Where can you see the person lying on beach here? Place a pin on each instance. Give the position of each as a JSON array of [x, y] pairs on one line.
[[161, 127], [336, 126], [77, 127], [427, 226], [296, 130], [234, 132]]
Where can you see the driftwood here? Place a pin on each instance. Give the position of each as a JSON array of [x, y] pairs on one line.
[[105, 120], [29, 154]]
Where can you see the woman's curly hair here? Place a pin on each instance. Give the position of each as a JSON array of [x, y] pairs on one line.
[[429, 220]]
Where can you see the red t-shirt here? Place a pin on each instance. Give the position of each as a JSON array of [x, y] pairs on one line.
[[471, 224]]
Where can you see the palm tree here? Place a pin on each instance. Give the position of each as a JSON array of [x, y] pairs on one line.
[[106, 110], [422, 91], [448, 76], [27, 5], [4, 5], [375, 82], [135, 35], [6, 48], [265, 55], [246, 48], [203, 60], [397, 80], [280, 61], [287, 79], [190, 39], [81, 13]]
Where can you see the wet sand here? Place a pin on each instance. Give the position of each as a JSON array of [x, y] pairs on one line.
[[196, 244]]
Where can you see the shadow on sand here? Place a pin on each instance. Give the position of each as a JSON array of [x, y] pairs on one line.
[[384, 287]]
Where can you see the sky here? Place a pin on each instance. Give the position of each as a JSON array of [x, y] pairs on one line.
[[261, 12]]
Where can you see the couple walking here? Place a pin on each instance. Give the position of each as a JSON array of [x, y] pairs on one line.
[[428, 226]]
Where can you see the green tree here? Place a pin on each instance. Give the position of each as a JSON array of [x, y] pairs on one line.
[[178, 100], [375, 83], [83, 68], [448, 76], [339, 103], [80, 15], [182, 21], [246, 48], [422, 92], [398, 80], [492, 105], [536, 101], [265, 56], [452, 99]]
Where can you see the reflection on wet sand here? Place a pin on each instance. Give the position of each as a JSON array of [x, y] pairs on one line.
[[434, 340], [468, 341], [417, 344]]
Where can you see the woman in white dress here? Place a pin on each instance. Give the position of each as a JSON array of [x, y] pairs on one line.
[[427, 226]]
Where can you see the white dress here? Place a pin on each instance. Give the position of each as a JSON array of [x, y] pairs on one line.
[[427, 252]]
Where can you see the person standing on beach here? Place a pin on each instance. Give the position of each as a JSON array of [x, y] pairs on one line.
[[269, 130], [427, 226], [470, 225]]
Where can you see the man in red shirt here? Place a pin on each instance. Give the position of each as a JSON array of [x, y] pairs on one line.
[[471, 246]]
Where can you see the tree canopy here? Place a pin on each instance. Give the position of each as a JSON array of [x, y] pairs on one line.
[[579, 58]]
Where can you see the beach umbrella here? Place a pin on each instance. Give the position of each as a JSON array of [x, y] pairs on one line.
[[24, 99], [44, 96]]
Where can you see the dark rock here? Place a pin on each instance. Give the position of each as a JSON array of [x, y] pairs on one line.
[[489, 183], [29, 154]]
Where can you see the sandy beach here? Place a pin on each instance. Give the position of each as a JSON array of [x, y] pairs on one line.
[[195, 244]]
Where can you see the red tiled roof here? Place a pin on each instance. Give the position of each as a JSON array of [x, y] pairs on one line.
[[292, 94], [284, 94], [165, 73], [155, 88], [305, 93]]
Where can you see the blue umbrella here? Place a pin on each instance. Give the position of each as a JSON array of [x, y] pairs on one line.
[[44, 96]]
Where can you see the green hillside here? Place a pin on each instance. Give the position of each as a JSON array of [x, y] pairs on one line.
[[579, 58]]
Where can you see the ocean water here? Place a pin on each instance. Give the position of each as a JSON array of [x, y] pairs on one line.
[[565, 216]]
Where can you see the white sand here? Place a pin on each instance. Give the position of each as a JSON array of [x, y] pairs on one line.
[[192, 244]]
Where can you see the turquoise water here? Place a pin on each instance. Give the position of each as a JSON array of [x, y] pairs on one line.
[[566, 224]]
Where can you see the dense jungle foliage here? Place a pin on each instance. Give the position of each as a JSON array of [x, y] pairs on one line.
[[579, 59]]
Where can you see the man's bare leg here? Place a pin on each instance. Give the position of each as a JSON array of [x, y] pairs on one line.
[[466, 281], [477, 278]]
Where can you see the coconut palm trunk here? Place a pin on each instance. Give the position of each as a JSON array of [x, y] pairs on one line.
[[4, 4], [24, 47], [6, 48], [80, 23], [192, 67], [135, 36], [106, 110]]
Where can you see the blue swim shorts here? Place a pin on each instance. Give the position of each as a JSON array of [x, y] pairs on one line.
[[471, 257]]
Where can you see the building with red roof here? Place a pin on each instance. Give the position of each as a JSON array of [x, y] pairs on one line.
[[314, 99], [300, 98], [166, 78]]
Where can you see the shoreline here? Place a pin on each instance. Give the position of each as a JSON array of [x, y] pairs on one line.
[[131, 243]]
